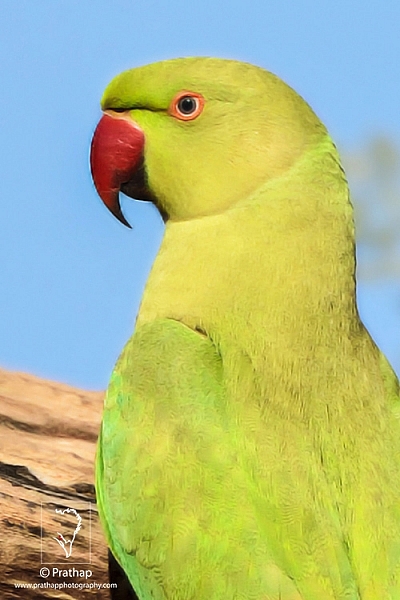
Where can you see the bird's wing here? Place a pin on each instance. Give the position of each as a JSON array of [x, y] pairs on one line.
[[177, 493]]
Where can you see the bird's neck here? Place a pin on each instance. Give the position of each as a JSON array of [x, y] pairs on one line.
[[281, 264]]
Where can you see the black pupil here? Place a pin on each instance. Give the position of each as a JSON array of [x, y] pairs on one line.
[[187, 105]]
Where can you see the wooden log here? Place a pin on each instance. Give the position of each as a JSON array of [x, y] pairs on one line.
[[50, 536]]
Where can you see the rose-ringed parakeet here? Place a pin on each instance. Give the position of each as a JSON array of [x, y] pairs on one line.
[[250, 444]]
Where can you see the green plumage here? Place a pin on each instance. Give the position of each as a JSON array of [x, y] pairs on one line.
[[250, 443]]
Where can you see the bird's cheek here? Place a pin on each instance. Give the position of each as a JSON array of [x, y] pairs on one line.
[[116, 154]]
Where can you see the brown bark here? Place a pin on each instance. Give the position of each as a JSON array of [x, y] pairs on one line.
[[48, 434]]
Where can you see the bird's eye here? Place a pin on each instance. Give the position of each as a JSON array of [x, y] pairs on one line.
[[186, 106]]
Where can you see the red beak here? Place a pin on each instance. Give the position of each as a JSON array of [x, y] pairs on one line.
[[116, 154]]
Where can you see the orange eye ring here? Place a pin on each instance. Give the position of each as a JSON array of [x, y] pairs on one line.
[[186, 106]]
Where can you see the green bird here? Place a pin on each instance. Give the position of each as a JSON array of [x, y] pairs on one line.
[[250, 444]]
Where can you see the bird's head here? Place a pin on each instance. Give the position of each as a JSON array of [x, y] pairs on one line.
[[197, 135]]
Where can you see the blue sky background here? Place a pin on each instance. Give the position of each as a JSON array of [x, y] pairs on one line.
[[71, 276]]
